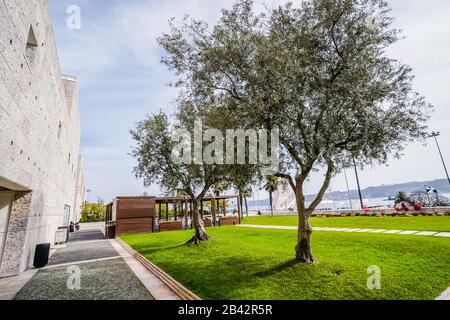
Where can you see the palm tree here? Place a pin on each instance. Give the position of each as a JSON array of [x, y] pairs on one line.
[[401, 197], [271, 186], [240, 191], [246, 194], [217, 189]]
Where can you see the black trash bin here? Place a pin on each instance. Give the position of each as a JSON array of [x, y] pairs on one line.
[[110, 231], [41, 255]]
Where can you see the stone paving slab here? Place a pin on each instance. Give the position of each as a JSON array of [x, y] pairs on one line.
[[408, 232], [356, 230], [86, 235], [9, 287], [443, 234], [393, 231], [425, 233], [75, 252], [378, 231], [353, 230], [68, 264]]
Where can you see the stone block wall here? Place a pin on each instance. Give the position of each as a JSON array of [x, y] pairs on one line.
[[39, 131], [17, 230]]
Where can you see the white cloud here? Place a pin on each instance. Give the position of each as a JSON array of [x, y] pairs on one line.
[[141, 24], [125, 34]]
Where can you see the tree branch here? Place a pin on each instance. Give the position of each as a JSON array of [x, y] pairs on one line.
[[286, 177], [323, 189]]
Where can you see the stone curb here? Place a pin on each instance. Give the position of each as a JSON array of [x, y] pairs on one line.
[[182, 292]]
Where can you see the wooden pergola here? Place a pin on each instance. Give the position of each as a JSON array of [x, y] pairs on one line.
[[184, 205]]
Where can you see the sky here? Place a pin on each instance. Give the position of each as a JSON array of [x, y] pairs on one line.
[[116, 58]]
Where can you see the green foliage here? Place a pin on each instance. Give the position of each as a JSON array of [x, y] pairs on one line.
[[402, 197], [93, 212], [272, 184], [317, 71], [154, 152]]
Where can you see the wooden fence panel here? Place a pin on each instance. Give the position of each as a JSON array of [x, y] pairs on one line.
[[228, 221], [170, 226], [134, 226]]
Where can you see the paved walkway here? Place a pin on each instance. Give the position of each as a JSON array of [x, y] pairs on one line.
[[9, 287], [349, 230], [107, 272], [158, 289]]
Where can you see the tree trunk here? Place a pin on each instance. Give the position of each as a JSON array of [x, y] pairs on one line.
[[213, 211], [271, 202], [198, 226], [303, 251], [242, 206], [246, 206], [186, 220]]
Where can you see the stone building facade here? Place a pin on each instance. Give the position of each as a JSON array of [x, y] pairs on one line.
[[41, 170]]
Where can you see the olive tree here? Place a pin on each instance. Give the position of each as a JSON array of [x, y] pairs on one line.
[[319, 72], [157, 152]]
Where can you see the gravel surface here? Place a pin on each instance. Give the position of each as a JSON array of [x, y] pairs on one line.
[[86, 235], [75, 252], [105, 280]]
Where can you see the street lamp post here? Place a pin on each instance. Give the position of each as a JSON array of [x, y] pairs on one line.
[[359, 186], [348, 191], [435, 135], [88, 191]]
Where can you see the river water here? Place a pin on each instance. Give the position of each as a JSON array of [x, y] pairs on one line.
[[343, 205]]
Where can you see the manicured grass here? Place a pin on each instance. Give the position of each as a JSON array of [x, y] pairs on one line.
[[257, 264], [390, 223]]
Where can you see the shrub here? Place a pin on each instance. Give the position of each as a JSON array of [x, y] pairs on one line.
[[93, 212]]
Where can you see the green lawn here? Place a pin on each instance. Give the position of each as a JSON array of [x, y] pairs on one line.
[[390, 223], [256, 264]]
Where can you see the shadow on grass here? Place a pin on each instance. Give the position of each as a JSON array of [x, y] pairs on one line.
[[218, 278], [143, 250], [277, 269]]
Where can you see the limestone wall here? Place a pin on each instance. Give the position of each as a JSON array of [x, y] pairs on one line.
[[80, 191], [39, 130]]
